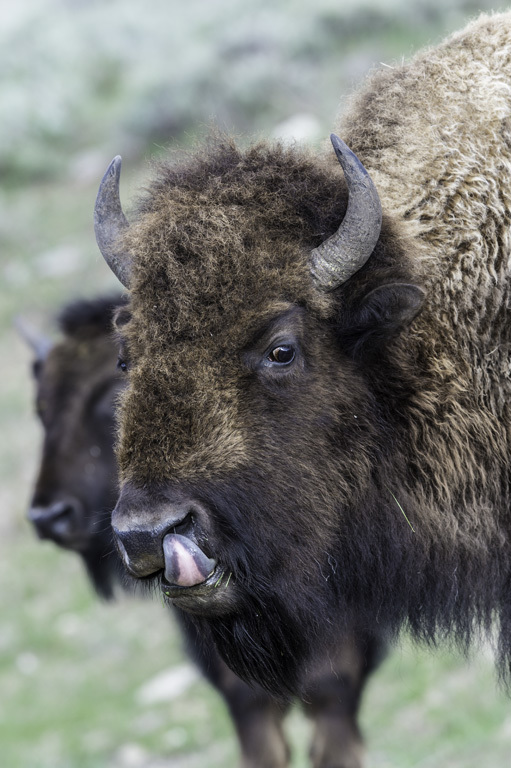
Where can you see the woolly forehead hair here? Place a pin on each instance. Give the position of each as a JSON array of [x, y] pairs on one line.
[[230, 229]]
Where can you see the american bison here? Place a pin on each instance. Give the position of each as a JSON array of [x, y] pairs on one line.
[[77, 383], [316, 425], [77, 386]]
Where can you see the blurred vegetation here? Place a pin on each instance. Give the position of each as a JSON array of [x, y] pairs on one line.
[[81, 80], [78, 74]]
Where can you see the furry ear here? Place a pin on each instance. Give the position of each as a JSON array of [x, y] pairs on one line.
[[379, 317], [121, 317]]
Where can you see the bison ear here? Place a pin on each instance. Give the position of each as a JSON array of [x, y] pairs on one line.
[[121, 317], [380, 316]]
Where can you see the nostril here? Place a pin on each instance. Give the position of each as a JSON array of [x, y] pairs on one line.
[[185, 527], [53, 521]]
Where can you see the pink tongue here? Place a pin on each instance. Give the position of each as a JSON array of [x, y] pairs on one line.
[[185, 564]]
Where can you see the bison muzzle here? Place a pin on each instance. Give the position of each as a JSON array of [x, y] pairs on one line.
[[169, 541]]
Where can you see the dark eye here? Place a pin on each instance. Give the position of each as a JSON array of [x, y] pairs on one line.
[[122, 365], [282, 355]]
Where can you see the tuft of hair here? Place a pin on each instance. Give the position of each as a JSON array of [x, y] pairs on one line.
[[86, 318]]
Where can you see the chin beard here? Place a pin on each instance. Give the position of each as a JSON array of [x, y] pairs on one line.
[[262, 644]]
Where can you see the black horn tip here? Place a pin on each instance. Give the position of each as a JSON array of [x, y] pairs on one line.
[[345, 156], [337, 143], [114, 169], [339, 146], [107, 199]]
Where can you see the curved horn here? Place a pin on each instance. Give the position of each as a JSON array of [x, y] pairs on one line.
[[39, 344], [346, 251], [110, 222]]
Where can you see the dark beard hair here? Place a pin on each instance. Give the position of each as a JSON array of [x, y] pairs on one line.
[[262, 643]]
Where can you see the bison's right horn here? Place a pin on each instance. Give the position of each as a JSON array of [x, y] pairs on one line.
[[110, 223], [347, 250]]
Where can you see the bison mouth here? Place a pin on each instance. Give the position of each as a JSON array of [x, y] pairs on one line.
[[215, 596], [186, 564], [215, 580], [190, 579]]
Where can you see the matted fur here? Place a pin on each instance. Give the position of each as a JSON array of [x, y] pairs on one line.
[[372, 482]]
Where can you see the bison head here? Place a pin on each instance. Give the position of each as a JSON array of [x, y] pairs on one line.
[[76, 488], [253, 449]]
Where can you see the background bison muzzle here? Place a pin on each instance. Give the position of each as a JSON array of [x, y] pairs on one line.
[[322, 364]]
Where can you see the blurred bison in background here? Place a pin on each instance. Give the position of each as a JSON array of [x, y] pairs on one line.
[[316, 427], [78, 383]]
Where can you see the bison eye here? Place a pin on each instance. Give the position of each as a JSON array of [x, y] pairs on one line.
[[282, 355], [122, 365]]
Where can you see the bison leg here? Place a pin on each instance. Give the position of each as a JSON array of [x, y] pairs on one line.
[[333, 694], [258, 722], [257, 718]]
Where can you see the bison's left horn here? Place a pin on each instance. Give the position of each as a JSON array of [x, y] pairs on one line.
[[110, 223], [346, 251]]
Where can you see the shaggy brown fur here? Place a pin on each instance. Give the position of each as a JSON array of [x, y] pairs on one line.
[[369, 480]]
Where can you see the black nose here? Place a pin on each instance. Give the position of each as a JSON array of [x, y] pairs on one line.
[[55, 521], [141, 522]]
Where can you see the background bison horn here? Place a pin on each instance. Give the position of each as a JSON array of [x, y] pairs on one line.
[[39, 343], [110, 222], [346, 251]]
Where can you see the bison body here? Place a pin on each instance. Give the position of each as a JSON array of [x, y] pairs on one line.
[[336, 455], [78, 384]]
